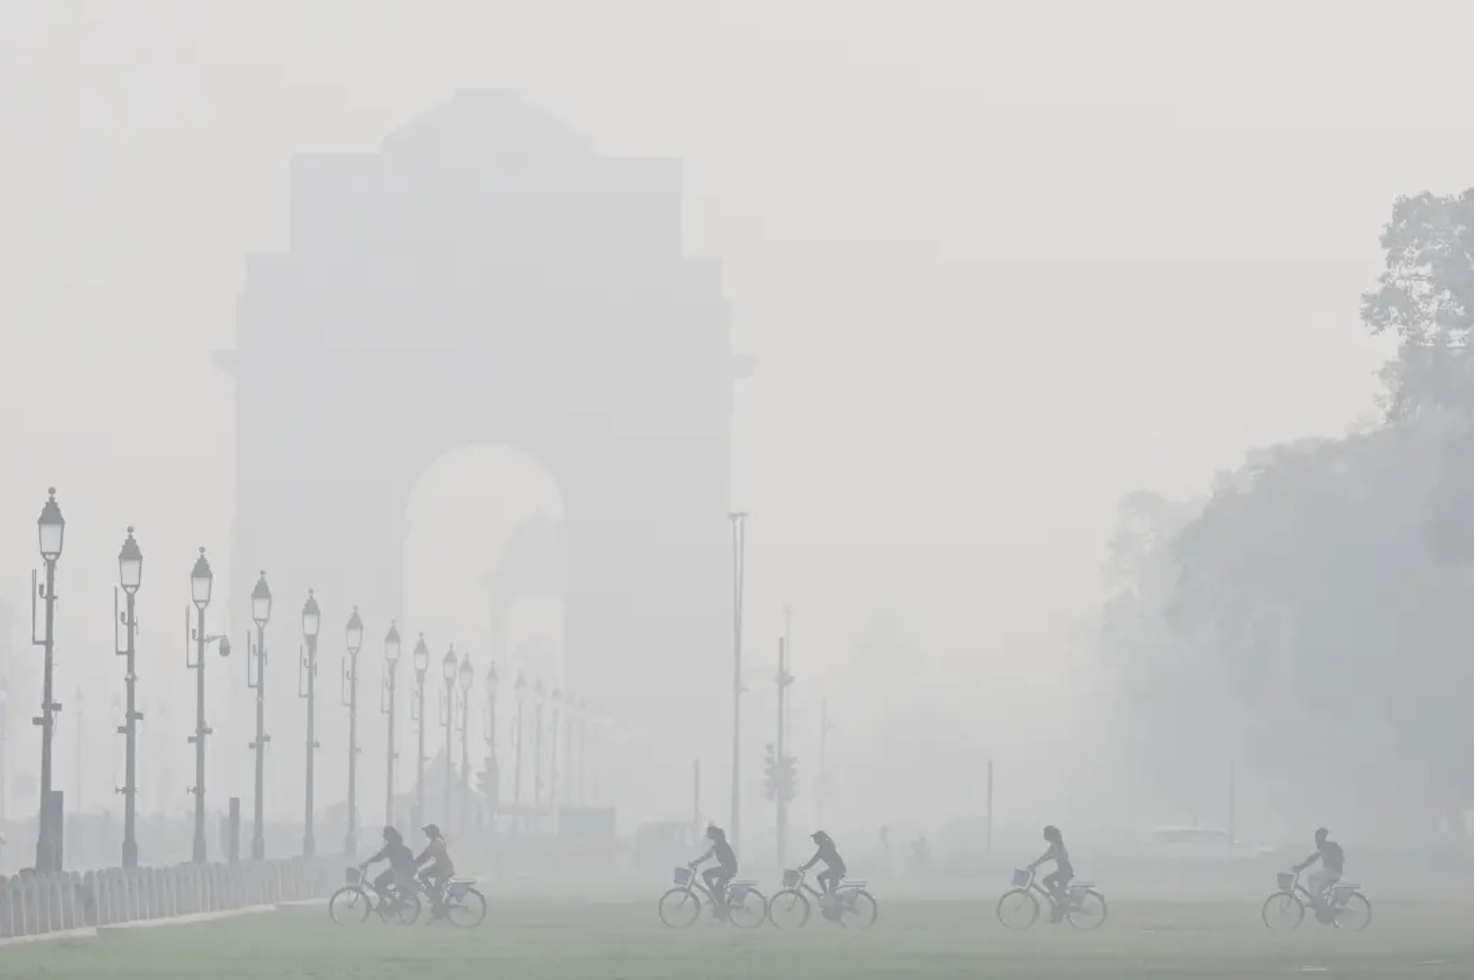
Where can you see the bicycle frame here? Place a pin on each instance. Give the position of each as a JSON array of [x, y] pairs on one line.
[[1034, 885], [805, 886]]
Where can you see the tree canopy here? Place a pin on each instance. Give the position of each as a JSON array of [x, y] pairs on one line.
[[1312, 615]]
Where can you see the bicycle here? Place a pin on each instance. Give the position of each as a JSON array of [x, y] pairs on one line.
[[853, 907], [1346, 907], [462, 905], [356, 900], [679, 907], [1085, 908]]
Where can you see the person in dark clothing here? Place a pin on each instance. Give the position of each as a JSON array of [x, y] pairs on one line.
[[439, 868], [717, 877], [401, 864], [1056, 881], [835, 868], [1321, 881]]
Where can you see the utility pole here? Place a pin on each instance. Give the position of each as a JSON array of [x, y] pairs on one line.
[[820, 786], [740, 520], [784, 789]]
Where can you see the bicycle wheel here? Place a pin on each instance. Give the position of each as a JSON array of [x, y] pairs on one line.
[[1018, 909], [749, 911], [858, 910], [467, 911], [1090, 913], [1282, 911], [678, 908], [1356, 915], [350, 905], [789, 909]]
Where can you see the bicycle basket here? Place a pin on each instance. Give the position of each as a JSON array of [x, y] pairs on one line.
[[1020, 878], [353, 877], [682, 876], [458, 887], [1341, 894], [738, 891], [1284, 880], [791, 878]]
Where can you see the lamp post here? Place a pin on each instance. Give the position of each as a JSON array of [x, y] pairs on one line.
[[464, 678], [520, 687], [538, 742], [489, 732], [740, 522], [201, 583], [422, 665], [130, 577], [307, 673], [350, 699], [50, 530], [448, 722], [387, 707], [556, 700], [261, 613]]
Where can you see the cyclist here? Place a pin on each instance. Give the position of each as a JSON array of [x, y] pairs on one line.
[[834, 873], [401, 860], [717, 877], [1321, 881], [438, 861], [1055, 882]]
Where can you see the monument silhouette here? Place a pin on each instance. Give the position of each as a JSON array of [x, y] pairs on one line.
[[489, 277]]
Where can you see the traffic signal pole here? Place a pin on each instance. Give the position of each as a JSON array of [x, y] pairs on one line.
[[783, 789]]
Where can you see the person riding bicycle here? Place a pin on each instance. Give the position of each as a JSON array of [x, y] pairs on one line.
[[1321, 881], [718, 876], [1055, 882], [835, 868], [401, 871], [438, 858]]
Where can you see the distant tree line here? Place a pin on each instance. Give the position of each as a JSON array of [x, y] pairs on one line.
[[1312, 615]]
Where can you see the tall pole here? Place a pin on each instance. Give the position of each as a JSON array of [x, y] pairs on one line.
[[518, 751], [420, 747], [77, 773], [389, 755], [198, 853], [739, 520], [387, 707], [820, 786], [310, 665], [782, 681], [351, 840], [258, 745], [989, 807], [538, 751], [450, 726], [47, 721], [465, 759]]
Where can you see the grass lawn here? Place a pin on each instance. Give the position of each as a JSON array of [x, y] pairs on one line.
[[911, 939]]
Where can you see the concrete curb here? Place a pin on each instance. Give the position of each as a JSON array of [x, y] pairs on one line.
[[184, 920], [87, 932], [94, 932]]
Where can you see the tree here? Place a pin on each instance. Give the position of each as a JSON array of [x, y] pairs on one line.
[[1320, 636]]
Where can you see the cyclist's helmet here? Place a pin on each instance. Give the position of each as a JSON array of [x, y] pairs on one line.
[[431, 830], [1051, 833], [1321, 835]]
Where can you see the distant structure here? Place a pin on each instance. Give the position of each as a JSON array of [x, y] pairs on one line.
[[488, 277]]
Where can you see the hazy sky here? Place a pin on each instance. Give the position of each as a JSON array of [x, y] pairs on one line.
[[1000, 262]]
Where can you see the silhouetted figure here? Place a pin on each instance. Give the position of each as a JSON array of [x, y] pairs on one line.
[[439, 868], [718, 876], [401, 871], [922, 855], [834, 873], [1056, 881], [1320, 881]]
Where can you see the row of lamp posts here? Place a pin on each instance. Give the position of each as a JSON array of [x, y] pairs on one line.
[[458, 677]]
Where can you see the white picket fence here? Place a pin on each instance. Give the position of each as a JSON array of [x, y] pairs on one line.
[[35, 905]]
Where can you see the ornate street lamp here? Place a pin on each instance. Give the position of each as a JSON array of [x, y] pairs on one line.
[[130, 577], [307, 675], [350, 698], [261, 614]]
